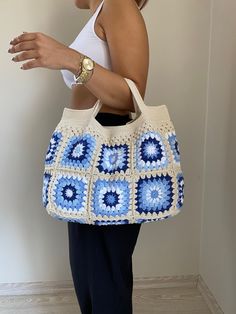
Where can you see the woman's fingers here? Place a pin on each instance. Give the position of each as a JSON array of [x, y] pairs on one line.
[[31, 64], [48, 52], [25, 45], [29, 54], [22, 37]]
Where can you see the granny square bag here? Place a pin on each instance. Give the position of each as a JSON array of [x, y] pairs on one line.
[[122, 174]]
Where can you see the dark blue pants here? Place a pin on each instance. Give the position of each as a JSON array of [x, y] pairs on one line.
[[101, 258]]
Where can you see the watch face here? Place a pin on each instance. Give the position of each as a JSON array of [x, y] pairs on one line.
[[88, 64]]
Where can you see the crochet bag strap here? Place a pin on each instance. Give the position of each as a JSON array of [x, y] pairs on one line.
[[139, 105]]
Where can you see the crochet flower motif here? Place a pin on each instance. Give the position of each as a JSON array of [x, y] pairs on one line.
[[110, 197], [52, 147], [150, 152], [46, 179], [171, 136], [154, 194], [113, 158], [79, 151], [69, 192]]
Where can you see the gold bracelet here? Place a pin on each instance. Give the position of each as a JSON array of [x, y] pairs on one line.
[[80, 65], [87, 68]]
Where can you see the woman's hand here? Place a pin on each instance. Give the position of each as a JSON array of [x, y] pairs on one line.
[[45, 51]]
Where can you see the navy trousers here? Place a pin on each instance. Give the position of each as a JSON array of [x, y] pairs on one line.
[[101, 258]]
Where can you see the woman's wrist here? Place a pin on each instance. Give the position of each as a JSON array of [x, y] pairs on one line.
[[73, 61]]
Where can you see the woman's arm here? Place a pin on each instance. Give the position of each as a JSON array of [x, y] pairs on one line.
[[127, 39]]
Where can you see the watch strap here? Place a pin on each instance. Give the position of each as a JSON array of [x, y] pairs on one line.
[[83, 75]]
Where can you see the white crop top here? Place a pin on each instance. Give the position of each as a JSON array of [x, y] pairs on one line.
[[87, 42]]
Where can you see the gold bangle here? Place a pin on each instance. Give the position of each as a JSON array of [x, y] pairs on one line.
[[80, 65], [84, 75]]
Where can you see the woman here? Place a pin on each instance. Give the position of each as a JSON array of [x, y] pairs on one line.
[[115, 39]]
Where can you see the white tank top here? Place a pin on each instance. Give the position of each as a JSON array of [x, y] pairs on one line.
[[87, 42]]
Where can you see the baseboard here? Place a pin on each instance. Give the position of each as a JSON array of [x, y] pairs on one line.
[[208, 296], [52, 287], [165, 281]]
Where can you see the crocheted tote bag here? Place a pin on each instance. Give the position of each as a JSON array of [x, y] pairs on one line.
[[105, 175]]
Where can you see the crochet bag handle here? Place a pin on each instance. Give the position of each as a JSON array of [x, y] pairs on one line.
[[139, 105]]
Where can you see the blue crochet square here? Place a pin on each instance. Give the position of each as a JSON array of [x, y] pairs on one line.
[[69, 193], [46, 180], [110, 197], [113, 158], [171, 136], [53, 147], [154, 194], [180, 180], [150, 152], [79, 151]]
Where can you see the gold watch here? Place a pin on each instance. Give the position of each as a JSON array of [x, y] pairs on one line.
[[85, 70]]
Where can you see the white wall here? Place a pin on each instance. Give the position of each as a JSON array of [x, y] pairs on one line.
[[218, 236], [179, 38], [33, 245]]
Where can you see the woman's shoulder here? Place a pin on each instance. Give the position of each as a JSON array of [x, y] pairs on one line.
[[119, 9], [127, 38]]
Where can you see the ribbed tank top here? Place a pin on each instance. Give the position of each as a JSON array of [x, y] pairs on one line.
[[87, 42]]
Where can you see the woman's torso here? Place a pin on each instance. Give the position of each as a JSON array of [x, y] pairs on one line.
[[95, 39]]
